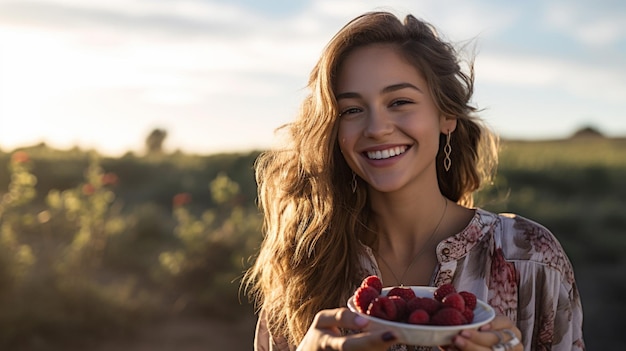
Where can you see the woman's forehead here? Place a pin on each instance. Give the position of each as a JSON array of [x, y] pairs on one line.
[[374, 67]]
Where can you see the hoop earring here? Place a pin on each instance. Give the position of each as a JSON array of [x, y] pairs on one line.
[[447, 162], [353, 184]]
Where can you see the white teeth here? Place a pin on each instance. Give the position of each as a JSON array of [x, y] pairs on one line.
[[387, 153]]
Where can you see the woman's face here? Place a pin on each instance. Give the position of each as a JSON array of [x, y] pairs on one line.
[[389, 125]]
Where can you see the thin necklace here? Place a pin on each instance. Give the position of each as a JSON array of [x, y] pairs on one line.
[[401, 280]]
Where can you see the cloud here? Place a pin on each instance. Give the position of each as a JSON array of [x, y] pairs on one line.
[[603, 83], [596, 24], [183, 17], [119, 49]]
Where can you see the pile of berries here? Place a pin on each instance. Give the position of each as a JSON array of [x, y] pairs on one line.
[[446, 307]]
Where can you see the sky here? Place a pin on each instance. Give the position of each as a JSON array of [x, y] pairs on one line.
[[222, 75]]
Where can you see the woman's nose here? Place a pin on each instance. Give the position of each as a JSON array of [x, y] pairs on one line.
[[379, 124]]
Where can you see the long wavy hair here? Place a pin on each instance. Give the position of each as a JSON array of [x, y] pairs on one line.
[[314, 223]]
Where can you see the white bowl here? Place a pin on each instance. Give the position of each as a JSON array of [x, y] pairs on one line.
[[425, 335]]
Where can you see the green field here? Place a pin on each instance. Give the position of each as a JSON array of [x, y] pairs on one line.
[[94, 247]]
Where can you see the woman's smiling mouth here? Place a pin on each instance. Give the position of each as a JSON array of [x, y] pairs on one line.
[[386, 153]]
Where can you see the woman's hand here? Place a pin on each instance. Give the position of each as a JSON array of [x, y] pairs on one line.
[[324, 333], [500, 334]]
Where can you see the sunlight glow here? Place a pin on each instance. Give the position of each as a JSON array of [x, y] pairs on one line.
[[223, 76]]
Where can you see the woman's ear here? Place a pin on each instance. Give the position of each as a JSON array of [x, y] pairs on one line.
[[447, 124]]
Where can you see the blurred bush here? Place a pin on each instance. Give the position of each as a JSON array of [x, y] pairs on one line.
[[113, 244]]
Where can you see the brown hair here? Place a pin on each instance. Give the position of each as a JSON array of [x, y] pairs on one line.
[[313, 223]]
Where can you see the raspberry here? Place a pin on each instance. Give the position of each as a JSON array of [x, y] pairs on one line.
[[470, 299], [401, 308], [383, 307], [443, 290], [413, 304], [419, 317], [406, 293], [424, 303], [448, 316], [454, 300], [363, 296], [446, 307], [469, 315], [374, 282]]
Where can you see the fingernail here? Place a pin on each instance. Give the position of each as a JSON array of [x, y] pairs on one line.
[[360, 321], [388, 336], [460, 342], [466, 333]]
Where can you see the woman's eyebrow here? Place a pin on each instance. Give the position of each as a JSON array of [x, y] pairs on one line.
[[385, 90], [348, 95], [400, 86]]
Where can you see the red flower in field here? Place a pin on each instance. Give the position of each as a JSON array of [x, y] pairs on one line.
[[20, 157], [181, 199], [88, 189], [109, 178]]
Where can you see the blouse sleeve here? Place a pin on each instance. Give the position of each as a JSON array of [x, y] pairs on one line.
[[550, 313], [261, 334], [569, 314], [549, 309], [263, 339]]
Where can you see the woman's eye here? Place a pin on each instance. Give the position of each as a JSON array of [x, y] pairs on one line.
[[400, 102], [349, 111]]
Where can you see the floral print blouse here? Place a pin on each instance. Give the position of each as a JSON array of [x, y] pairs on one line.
[[514, 264]]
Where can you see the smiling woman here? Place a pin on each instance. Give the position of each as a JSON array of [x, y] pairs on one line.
[[377, 180], [379, 91]]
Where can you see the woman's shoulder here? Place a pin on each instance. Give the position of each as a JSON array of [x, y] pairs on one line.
[[513, 224], [510, 225], [524, 239]]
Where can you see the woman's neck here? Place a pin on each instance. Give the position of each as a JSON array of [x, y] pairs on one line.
[[409, 224], [406, 220], [412, 211]]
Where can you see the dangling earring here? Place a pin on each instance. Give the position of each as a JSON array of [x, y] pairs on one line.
[[353, 184], [447, 162]]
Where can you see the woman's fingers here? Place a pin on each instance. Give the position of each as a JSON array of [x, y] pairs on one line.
[[499, 322], [325, 333], [339, 318], [471, 339], [378, 340], [500, 331]]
